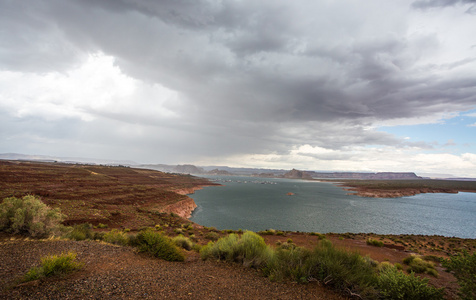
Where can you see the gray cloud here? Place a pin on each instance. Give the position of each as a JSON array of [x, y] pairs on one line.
[[251, 77], [425, 4]]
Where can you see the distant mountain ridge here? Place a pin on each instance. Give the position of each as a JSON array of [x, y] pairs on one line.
[[292, 174], [72, 160], [223, 170]]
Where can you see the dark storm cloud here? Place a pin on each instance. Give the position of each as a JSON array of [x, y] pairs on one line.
[[252, 76]]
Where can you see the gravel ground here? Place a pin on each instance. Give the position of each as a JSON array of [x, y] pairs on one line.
[[121, 273]]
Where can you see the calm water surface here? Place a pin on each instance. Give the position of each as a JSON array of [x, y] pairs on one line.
[[258, 204]]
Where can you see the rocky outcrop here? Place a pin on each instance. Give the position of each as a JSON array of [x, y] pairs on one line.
[[187, 191], [182, 208], [296, 174]]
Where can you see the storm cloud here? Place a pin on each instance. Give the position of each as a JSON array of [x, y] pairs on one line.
[[204, 81]]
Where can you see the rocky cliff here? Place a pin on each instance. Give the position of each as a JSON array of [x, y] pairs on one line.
[[183, 208]]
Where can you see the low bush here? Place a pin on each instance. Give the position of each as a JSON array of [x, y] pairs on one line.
[[463, 267], [116, 237], [319, 235], [375, 243], [178, 230], [212, 236], [394, 284], [250, 249], [81, 232], [267, 232], [158, 245], [54, 265], [418, 265], [346, 271], [183, 242], [288, 263], [29, 216]]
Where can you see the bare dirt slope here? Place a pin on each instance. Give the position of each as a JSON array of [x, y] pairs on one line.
[[114, 272]]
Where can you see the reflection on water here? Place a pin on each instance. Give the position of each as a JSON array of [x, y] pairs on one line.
[[259, 204]]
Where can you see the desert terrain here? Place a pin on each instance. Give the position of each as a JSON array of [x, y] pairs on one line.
[[117, 197]]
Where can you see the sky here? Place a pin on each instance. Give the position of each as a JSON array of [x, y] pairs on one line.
[[332, 85]]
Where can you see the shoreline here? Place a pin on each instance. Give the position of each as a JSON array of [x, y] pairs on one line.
[[403, 188], [186, 207]]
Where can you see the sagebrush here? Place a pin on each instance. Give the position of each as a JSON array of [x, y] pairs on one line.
[[29, 216]]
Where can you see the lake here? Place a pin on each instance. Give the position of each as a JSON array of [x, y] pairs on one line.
[[262, 203]]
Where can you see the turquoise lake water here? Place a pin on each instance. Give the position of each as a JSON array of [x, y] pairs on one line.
[[261, 203]]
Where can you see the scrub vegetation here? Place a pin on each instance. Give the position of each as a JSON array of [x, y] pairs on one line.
[[54, 265], [463, 267], [279, 255], [28, 215], [343, 270]]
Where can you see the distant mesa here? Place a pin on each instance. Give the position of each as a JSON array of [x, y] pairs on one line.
[[296, 174]]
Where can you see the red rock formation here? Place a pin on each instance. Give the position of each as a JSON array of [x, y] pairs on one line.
[[182, 208]]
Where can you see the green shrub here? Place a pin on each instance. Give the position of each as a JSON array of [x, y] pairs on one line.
[[418, 265], [54, 265], [81, 232], [222, 249], [102, 226], [463, 267], [394, 284], [268, 232], [288, 263], [319, 235], [183, 242], [250, 249], [29, 216], [346, 271], [158, 245], [116, 237], [375, 243], [212, 236]]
